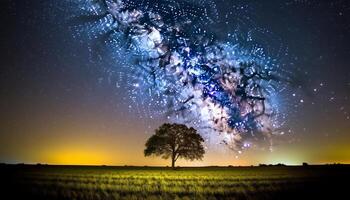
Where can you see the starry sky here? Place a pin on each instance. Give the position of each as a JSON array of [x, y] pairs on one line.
[[65, 100]]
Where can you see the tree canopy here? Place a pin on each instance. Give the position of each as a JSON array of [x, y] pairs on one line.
[[175, 141]]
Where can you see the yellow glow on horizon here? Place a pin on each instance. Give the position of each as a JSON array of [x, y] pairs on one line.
[[77, 156], [75, 147]]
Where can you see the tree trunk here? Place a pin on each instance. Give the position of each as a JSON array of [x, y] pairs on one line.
[[173, 161]]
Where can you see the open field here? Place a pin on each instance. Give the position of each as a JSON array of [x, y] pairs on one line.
[[80, 182]]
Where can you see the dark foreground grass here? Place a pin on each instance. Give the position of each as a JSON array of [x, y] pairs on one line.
[[80, 182]]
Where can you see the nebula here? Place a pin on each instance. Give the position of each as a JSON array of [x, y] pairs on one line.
[[179, 68]]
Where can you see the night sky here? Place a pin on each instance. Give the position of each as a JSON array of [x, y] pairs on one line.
[[65, 99]]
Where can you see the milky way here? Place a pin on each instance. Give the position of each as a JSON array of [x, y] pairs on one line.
[[178, 67]]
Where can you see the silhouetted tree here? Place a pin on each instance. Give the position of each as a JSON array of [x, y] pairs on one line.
[[175, 141]]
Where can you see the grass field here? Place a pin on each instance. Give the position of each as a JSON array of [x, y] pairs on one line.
[[78, 182]]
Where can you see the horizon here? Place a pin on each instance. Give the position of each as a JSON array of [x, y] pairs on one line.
[[179, 166]]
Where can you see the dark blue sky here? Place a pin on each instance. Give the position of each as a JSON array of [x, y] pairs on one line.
[[48, 78]]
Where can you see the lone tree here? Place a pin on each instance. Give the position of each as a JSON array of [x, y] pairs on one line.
[[175, 141]]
